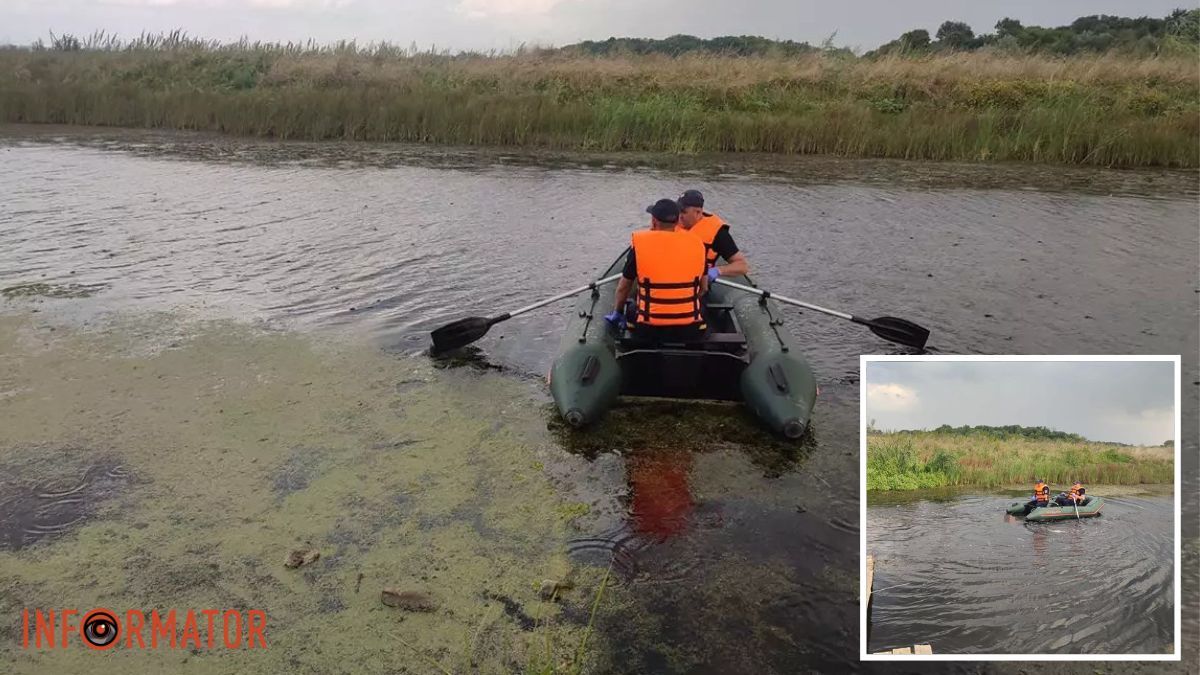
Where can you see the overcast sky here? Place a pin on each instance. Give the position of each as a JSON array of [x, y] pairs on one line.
[[1126, 402], [503, 24]]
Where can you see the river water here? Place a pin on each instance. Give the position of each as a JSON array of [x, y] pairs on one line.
[[961, 574], [753, 568]]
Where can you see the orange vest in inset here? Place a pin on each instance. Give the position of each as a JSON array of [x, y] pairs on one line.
[[670, 264], [706, 229], [1076, 493], [1041, 492]]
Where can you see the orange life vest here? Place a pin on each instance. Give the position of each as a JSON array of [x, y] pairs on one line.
[[670, 264], [1041, 492], [706, 229], [1076, 493]]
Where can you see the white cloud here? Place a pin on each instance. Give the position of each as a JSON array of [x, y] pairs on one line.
[[889, 397], [256, 4], [152, 3], [484, 9], [285, 4], [1127, 402]]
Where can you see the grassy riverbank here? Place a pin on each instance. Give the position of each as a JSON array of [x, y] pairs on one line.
[[921, 460], [1099, 109]]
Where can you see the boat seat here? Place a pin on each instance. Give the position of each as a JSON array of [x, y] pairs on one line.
[[724, 334], [709, 342]]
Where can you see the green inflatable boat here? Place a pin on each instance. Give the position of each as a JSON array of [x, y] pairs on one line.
[[747, 356], [1089, 508]]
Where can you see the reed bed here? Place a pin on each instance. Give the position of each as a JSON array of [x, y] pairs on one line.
[[1101, 110], [916, 460]]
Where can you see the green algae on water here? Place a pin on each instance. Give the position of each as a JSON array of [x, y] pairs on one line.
[[245, 445]]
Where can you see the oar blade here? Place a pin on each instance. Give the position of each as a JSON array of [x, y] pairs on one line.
[[900, 331], [460, 333]]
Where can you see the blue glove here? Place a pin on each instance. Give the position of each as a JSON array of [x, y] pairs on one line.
[[713, 273], [616, 319]]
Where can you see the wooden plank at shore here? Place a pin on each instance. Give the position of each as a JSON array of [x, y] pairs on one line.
[[870, 576], [914, 650]]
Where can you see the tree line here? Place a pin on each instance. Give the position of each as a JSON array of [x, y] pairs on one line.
[[1143, 36], [1094, 34], [1010, 431], [994, 432], [677, 45]]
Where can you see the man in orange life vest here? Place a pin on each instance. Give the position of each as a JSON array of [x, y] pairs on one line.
[[1041, 496], [714, 232], [668, 266], [1075, 496]]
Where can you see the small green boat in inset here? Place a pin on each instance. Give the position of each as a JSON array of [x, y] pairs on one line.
[[1089, 508]]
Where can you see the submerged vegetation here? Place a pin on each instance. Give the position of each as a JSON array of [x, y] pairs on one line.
[[989, 104], [931, 459]]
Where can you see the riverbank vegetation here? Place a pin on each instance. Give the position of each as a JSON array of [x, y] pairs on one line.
[[1176, 33], [990, 103], [913, 460]]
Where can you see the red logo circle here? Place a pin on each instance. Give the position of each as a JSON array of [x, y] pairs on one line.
[[100, 629]]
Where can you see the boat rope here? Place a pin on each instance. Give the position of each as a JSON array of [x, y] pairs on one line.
[[772, 321], [589, 315], [591, 312]]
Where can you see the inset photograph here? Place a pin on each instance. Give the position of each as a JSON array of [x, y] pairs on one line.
[[1017, 506]]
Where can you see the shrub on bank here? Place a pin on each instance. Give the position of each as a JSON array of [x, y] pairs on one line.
[[930, 459]]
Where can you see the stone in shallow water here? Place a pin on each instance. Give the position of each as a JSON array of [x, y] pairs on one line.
[[300, 557], [410, 601], [548, 590], [552, 589]]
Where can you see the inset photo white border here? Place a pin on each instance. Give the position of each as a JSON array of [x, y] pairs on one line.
[[1177, 653]]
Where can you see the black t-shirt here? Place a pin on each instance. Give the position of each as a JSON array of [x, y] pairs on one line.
[[723, 244]]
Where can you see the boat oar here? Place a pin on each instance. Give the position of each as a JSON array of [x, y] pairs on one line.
[[465, 331], [1076, 508], [889, 328]]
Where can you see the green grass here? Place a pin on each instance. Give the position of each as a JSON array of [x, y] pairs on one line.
[[922, 460], [1103, 110]]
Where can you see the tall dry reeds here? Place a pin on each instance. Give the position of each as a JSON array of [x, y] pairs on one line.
[[917, 460], [1104, 110]]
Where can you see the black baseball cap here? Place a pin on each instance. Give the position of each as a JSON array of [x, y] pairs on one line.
[[664, 210], [691, 198]]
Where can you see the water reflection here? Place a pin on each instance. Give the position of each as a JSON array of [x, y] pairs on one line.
[[661, 503], [967, 578]]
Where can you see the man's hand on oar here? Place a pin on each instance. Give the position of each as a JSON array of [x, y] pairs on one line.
[[465, 331], [889, 328]]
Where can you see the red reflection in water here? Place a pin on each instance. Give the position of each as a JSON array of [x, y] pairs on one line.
[[662, 497], [1039, 545]]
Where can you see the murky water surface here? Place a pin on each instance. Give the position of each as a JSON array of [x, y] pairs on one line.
[[962, 575], [728, 552]]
